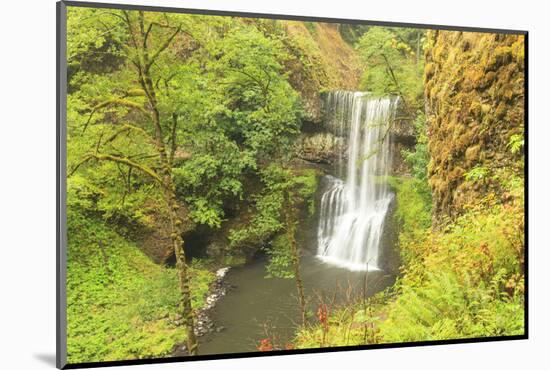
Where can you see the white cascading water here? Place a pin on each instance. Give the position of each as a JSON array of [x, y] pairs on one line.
[[354, 206]]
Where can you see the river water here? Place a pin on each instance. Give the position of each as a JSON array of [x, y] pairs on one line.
[[256, 307]]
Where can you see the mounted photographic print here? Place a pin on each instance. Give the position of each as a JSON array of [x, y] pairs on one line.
[[235, 185]]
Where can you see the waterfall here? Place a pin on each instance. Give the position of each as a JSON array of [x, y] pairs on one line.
[[354, 206]]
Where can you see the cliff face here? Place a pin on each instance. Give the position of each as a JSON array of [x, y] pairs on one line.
[[323, 144], [474, 89], [324, 61]]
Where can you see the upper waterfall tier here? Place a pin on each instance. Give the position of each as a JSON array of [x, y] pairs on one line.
[[354, 206]]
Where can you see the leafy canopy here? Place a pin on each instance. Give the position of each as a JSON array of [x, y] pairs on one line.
[[394, 64]]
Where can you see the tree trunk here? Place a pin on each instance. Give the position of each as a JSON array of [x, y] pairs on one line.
[[291, 231], [143, 63], [298, 277], [183, 275], [178, 244], [176, 221]]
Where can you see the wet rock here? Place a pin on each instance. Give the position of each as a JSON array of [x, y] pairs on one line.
[[220, 274], [204, 323], [319, 148]]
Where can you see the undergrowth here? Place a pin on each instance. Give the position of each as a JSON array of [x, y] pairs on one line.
[[120, 305]]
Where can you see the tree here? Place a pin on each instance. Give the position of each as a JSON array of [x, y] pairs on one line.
[[285, 254], [185, 106], [290, 223], [250, 115], [393, 64], [136, 126]]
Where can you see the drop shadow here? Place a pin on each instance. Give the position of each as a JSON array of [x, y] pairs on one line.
[[46, 358]]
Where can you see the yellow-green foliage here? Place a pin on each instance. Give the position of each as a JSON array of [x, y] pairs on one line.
[[325, 58], [467, 280], [462, 281], [474, 90], [120, 305], [413, 213], [393, 64], [353, 324], [267, 219]]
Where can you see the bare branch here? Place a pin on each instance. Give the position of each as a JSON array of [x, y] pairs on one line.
[[115, 101], [128, 127], [173, 138], [147, 35], [122, 160], [161, 49]]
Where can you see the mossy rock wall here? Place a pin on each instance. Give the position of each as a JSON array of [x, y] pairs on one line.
[[474, 90]]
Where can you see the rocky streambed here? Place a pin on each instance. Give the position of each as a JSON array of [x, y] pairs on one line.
[[203, 320]]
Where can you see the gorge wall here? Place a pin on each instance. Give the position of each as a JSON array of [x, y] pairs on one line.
[[323, 61], [474, 89], [320, 142]]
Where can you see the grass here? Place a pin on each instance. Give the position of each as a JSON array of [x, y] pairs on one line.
[[120, 305]]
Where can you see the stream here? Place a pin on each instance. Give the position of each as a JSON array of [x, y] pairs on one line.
[[256, 307]]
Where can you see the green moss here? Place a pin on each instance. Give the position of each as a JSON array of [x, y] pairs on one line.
[[474, 103], [429, 70], [472, 153], [311, 27], [475, 109], [501, 111], [501, 55], [518, 51]]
